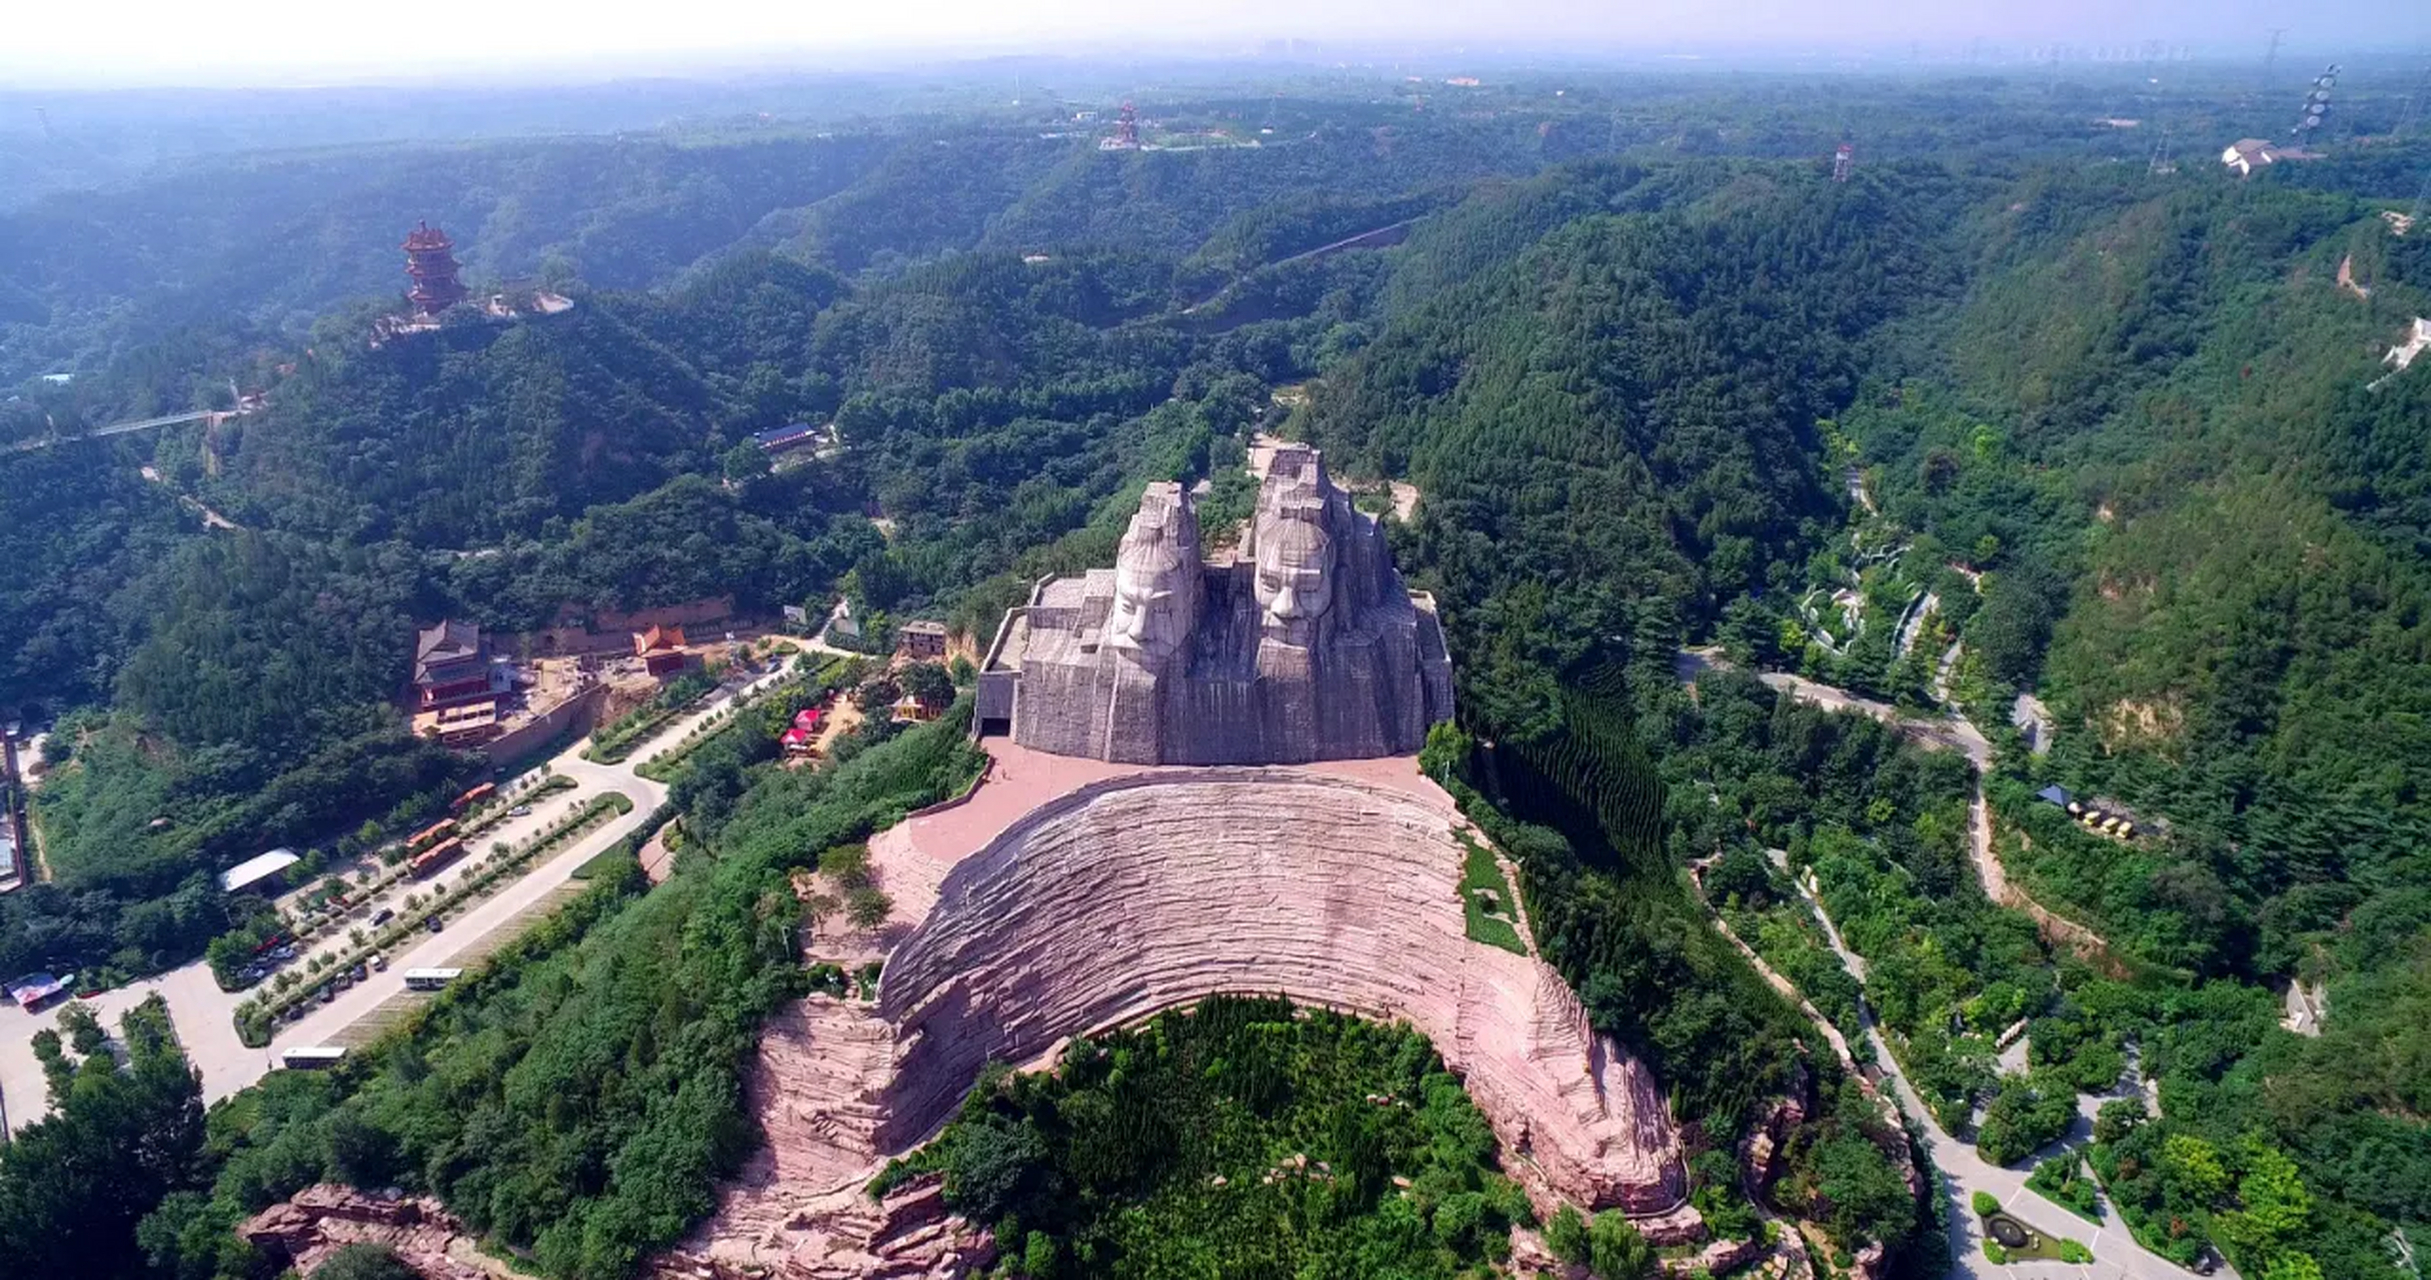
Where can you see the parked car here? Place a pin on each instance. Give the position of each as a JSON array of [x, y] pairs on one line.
[[383, 916], [328, 994], [379, 962], [520, 811], [359, 974], [434, 923]]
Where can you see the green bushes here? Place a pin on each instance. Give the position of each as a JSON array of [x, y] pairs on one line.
[[2061, 1180], [1244, 1138], [2025, 1114], [74, 1184]]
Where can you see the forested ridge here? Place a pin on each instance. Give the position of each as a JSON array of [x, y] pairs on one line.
[[2115, 422]]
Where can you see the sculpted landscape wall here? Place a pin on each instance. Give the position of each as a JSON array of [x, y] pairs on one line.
[[1122, 899]]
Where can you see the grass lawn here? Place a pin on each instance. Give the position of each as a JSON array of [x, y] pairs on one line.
[[1485, 895]]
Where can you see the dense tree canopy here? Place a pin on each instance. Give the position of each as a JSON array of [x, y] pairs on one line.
[[2116, 425]]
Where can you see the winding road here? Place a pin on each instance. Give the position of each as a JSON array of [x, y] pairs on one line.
[[2116, 1254]]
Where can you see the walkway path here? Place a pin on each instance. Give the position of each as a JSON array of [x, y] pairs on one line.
[[120, 428], [204, 1015], [1950, 731], [2116, 1253]]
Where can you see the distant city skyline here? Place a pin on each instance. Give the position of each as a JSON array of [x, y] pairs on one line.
[[298, 42]]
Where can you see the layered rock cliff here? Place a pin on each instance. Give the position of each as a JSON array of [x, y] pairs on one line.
[[1127, 896]]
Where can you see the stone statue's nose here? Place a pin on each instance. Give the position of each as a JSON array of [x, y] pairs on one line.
[[1287, 603]]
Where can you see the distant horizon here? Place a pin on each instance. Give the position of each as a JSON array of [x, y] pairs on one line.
[[289, 44]]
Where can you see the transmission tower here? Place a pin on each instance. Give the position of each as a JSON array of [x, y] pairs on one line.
[[2412, 108], [2271, 55], [1842, 161], [2160, 162]]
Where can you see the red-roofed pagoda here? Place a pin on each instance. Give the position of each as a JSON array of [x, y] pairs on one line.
[[429, 261]]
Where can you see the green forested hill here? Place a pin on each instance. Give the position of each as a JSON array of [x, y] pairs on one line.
[[2138, 406], [1616, 427], [2116, 420], [279, 239]]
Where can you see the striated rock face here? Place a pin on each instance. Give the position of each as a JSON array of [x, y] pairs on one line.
[[844, 1235], [320, 1220], [1121, 899]]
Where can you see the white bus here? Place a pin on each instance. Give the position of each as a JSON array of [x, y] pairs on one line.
[[313, 1057], [430, 979]]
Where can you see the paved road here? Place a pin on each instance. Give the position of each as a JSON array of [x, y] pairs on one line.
[[2116, 1253], [1950, 731], [204, 1014]]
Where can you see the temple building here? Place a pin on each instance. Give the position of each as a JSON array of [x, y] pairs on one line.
[[1302, 644], [430, 259], [452, 668]]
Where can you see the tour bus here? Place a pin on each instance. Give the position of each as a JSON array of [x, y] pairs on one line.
[[314, 1057], [430, 979]]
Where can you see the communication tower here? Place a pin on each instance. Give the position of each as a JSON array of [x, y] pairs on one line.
[[1127, 127], [2316, 105], [1842, 160]]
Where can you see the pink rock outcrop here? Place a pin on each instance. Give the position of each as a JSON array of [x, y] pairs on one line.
[[1130, 895], [320, 1220], [1122, 899]]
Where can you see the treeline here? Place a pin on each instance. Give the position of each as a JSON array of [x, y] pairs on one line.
[[278, 239]]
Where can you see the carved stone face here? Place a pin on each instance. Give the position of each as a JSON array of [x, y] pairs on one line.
[[1295, 574], [1155, 586]]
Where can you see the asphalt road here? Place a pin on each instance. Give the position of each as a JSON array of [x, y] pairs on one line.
[[204, 1015], [2115, 1252]]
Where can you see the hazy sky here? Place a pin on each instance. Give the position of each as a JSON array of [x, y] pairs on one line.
[[289, 41]]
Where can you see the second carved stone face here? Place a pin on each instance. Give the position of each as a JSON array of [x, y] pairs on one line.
[[1295, 584], [1156, 581]]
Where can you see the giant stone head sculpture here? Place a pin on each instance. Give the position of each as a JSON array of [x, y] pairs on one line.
[[1156, 578], [1295, 583]]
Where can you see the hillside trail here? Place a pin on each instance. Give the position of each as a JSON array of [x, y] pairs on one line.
[[2116, 1253]]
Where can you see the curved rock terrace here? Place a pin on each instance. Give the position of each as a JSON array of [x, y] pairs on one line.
[[1066, 897]]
